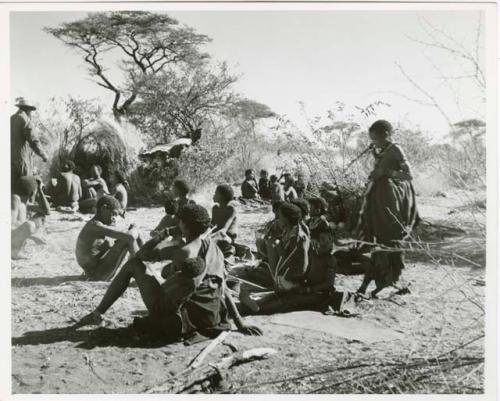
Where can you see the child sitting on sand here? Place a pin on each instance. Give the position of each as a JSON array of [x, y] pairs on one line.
[[180, 191], [94, 253], [169, 219], [224, 219], [26, 219]]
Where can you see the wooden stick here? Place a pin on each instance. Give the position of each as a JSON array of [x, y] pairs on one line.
[[209, 348], [212, 373], [247, 282]]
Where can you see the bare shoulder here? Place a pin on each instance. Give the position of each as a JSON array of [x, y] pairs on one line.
[[15, 201]]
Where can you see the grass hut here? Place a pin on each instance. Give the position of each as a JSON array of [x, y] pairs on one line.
[[103, 145]]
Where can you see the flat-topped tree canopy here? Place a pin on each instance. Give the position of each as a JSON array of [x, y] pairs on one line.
[[148, 42]]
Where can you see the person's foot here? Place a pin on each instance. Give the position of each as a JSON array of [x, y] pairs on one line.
[[92, 319], [248, 302]]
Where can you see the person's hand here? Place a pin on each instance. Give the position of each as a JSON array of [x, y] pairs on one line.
[[250, 330], [45, 159]]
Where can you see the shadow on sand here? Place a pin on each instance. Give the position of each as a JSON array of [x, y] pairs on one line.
[[89, 339], [49, 281]]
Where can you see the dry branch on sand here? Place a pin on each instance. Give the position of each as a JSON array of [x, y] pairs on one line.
[[209, 377]]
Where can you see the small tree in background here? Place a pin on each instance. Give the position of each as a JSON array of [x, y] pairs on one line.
[[177, 103]]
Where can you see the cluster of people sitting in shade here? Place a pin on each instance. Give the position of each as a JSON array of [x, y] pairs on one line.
[[298, 253], [271, 188], [69, 192]]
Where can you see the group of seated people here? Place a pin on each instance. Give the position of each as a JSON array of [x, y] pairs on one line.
[[68, 191], [284, 188], [194, 295], [191, 299], [31, 201]]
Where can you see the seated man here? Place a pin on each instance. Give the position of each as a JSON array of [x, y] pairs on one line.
[[179, 308], [316, 292], [249, 187], [224, 219], [96, 179], [264, 185], [120, 189], [68, 190], [94, 253], [277, 192], [26, 219]]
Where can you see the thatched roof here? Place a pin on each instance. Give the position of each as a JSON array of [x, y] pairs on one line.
[[103, 145]]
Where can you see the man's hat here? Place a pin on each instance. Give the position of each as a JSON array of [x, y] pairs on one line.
[[22, 103]]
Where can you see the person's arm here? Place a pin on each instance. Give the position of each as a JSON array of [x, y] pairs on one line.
[[229, 221], [15, 204], [148, 252], [92, 182], [108, 231], [33, 141], [238, 320], [404, 172]]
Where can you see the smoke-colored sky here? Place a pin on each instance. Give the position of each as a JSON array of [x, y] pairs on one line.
[[287, 57]]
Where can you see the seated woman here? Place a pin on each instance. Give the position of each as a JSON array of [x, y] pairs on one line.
[[249, 187], [202, 305], [94, 252], [317, 290], [287, 258], [27, 219], [120, 189], [304, 207], [271, 232], [224, 219]]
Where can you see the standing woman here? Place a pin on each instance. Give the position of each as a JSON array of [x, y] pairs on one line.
[[389, 210]]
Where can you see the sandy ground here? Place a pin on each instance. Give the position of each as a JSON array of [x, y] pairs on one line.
[[48, 290]]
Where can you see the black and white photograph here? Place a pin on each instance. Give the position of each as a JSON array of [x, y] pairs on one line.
[[249, 198]]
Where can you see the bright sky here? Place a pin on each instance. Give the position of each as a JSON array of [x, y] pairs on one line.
[[317, 57]]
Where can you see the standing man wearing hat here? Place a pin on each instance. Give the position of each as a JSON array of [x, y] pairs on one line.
[[23, 142]]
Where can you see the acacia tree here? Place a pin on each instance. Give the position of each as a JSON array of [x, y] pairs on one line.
[[177, 102], [148, 43]]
